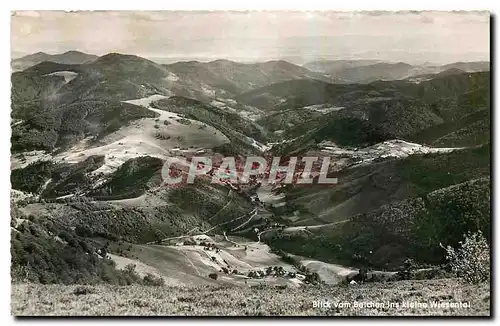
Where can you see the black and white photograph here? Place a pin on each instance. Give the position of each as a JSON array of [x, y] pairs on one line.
[[250, 163]]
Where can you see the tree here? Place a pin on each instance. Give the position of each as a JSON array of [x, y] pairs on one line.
[[150, 279], [472, 260], [130, 268]]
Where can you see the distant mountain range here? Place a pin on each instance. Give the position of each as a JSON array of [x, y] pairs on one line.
[[131, 76], [267, 86], [331, 66], [366, 71], [69, 57], [233, 77]]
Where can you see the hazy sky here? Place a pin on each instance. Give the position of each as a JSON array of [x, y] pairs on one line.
[[439, 37]]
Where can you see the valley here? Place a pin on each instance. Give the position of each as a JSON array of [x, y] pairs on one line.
[[90, 139]]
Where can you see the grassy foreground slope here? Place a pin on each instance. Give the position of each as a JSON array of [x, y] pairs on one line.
[[47, 300]]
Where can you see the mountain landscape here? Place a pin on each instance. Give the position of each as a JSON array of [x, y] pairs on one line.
[[91, 213]]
